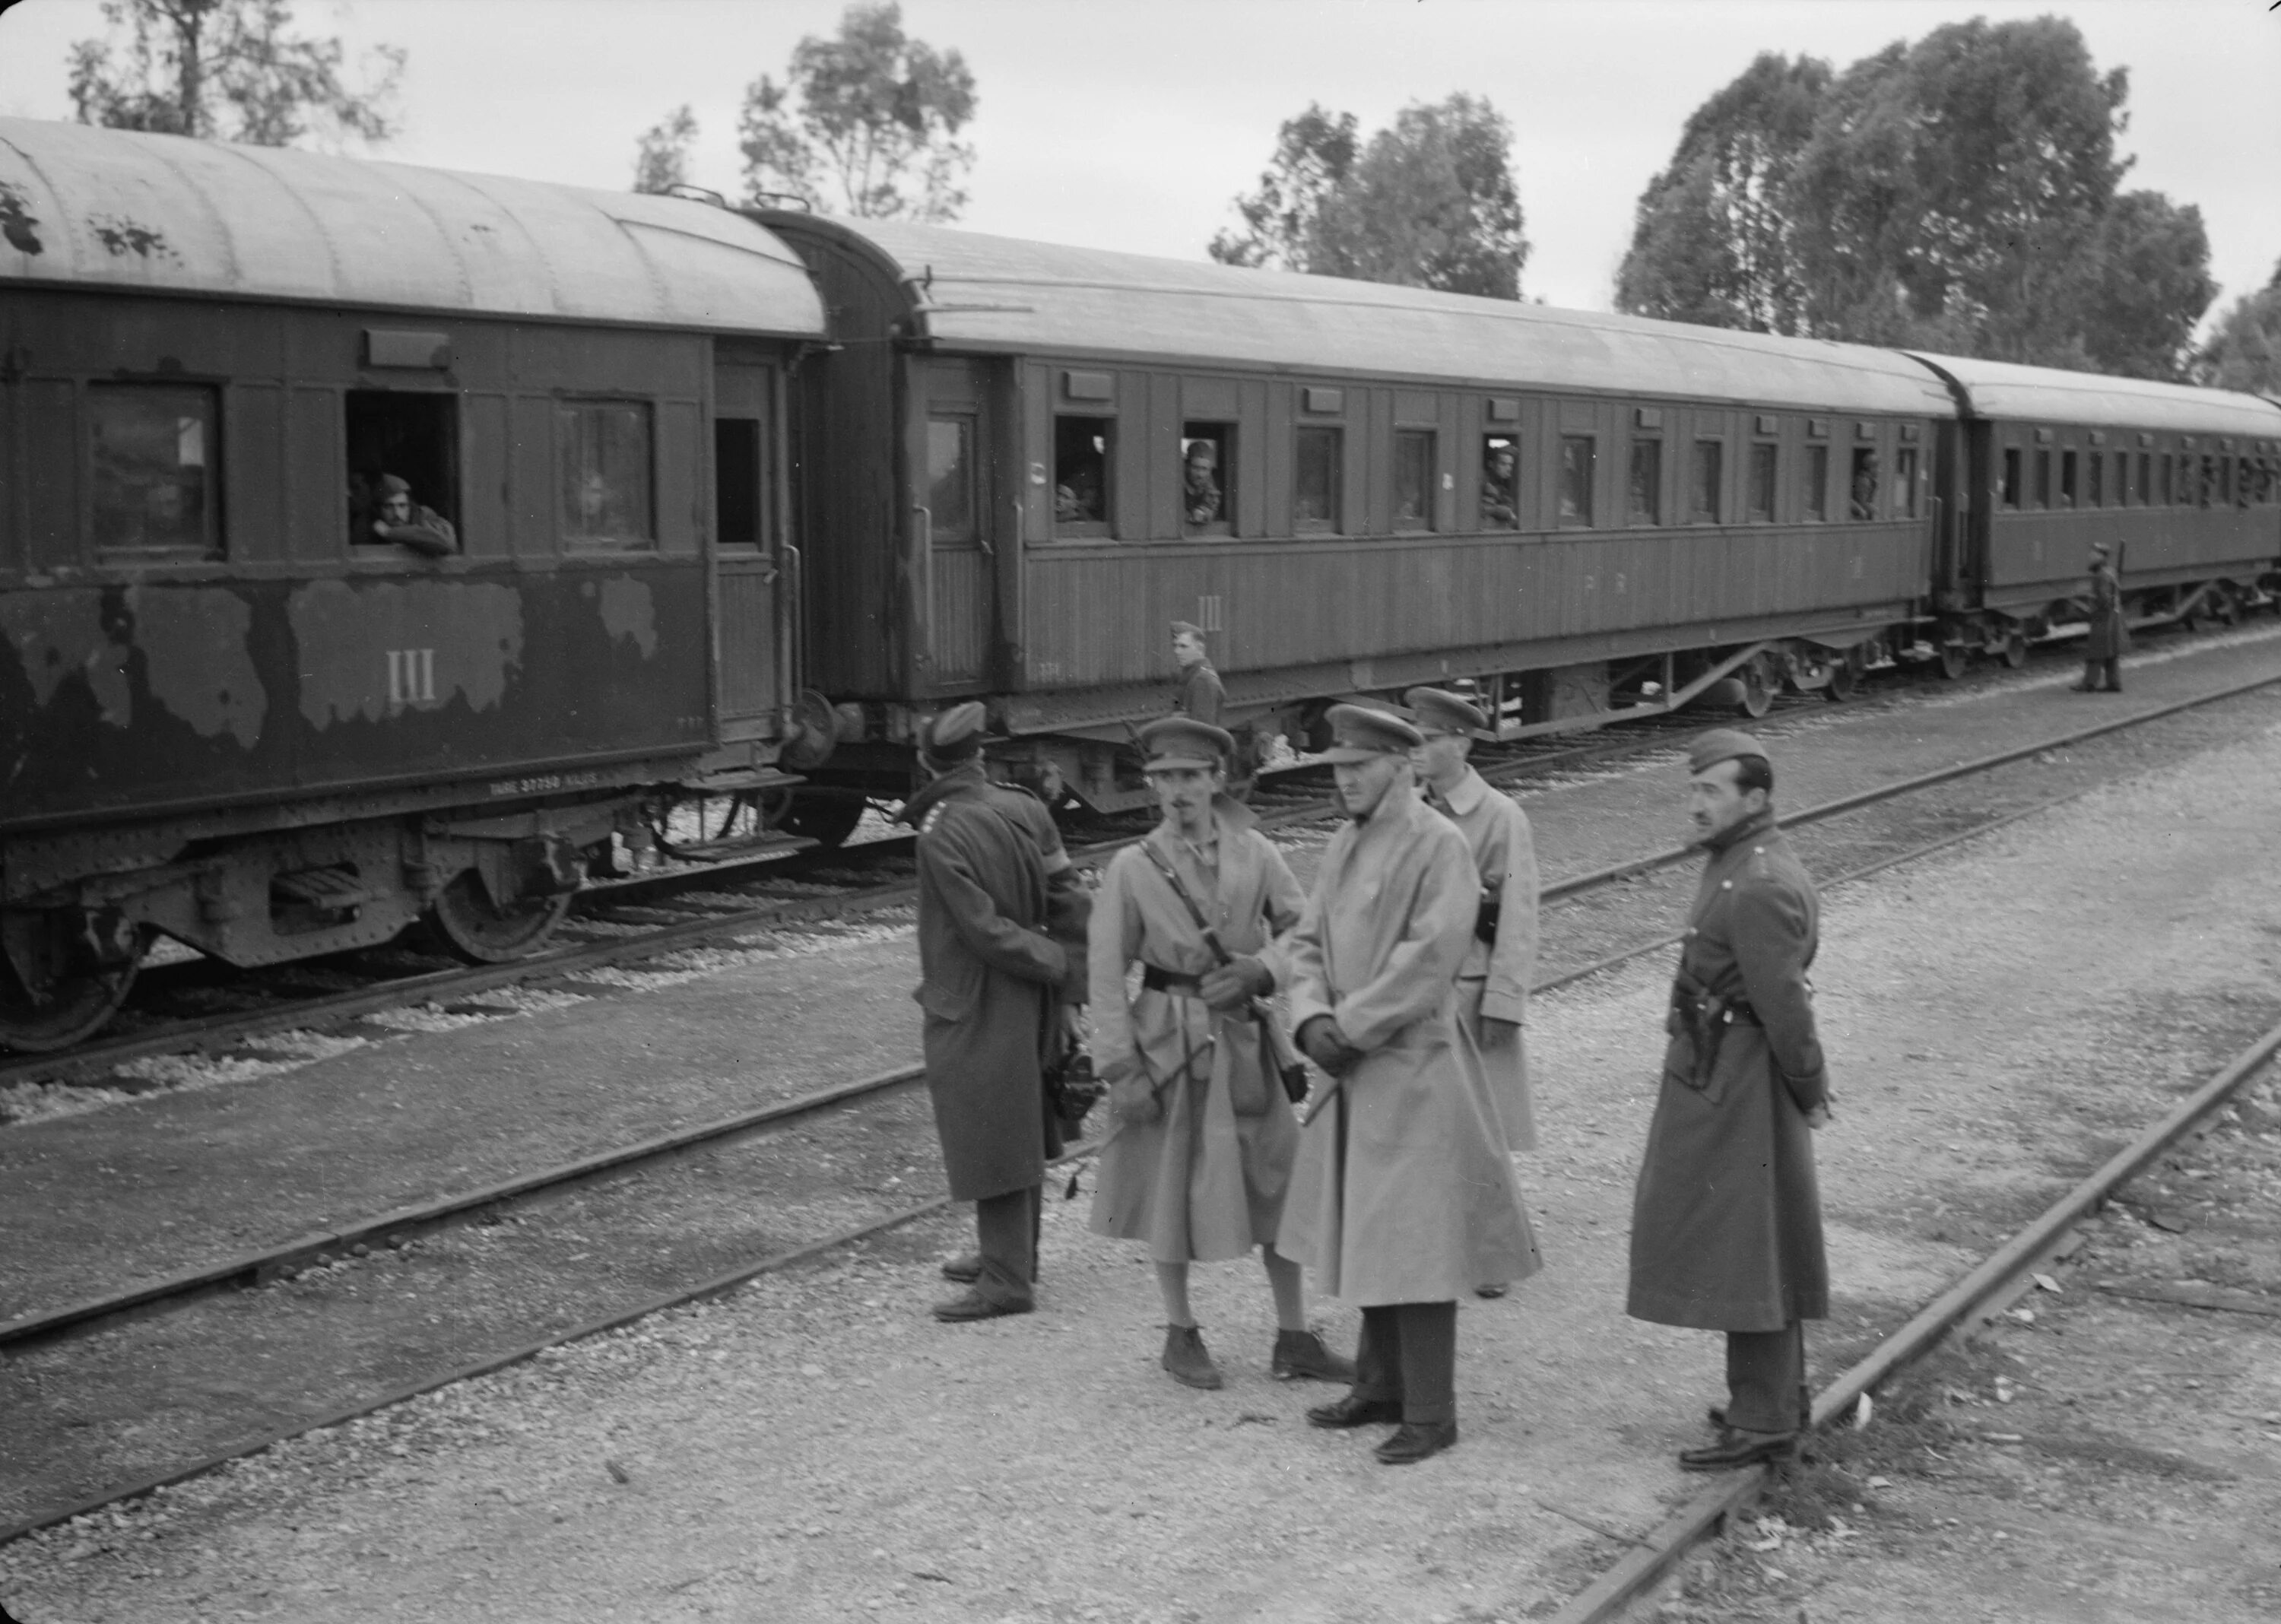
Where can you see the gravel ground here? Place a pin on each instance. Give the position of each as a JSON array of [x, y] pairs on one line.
[[814, 1448]]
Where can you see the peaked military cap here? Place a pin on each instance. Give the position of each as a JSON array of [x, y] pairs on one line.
[[1447, 712], [955, 735], [1724, 743], [1189, 627], [1361, 731], [1183, 741]]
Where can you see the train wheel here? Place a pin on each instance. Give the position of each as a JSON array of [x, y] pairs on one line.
[[1953, 658], [1758, 689], [1844, 678], [65, 1011], [2015, 650], [828, 820], [464, 922]]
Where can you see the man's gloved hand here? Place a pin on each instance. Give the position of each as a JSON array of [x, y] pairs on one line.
[[1236, 983], [1497, 1034], [1132, 1098], [1326, 1046]]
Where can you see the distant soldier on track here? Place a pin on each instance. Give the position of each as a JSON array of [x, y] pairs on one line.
[[2109, 638], [1727, 1216], [1199, 1163], [1202, 693], [991, 905], [1403, 1197]]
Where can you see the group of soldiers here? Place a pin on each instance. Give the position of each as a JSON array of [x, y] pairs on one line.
[[1389, 1172]]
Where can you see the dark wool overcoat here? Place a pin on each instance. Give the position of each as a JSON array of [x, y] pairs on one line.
[[1727, 1217], [990, 975], [2110, 632]]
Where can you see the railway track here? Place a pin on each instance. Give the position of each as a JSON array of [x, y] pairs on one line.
[[159, 1295]]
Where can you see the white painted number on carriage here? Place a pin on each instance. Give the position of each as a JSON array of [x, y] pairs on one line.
[[1208, 614], [411, 675]]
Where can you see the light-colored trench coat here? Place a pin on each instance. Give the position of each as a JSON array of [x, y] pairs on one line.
[[1206, 1180], [1494, 984], [1404, 1191]]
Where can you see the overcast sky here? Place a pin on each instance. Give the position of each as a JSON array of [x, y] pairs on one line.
[[1130, 124]]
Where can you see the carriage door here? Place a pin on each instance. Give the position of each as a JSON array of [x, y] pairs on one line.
[[957, 532], [747, 630]]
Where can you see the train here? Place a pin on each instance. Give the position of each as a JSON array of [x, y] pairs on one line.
[[381, 547]]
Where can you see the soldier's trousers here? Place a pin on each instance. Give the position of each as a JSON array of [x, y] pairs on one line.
[[1005, 1230], [1408, 1355], [1765, 1378]]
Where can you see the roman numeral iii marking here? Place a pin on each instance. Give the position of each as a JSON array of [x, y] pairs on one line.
[[411, 675]]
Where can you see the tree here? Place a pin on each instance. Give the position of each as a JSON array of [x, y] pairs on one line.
[[1959, 194], [177, 66], [875, 113], [1429, 202], [1714, 241], [2243, 351], [661, 159]]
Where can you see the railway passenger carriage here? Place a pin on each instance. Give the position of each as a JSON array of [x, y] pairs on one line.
[[2183, 485], [1585, 515], [233, 710]]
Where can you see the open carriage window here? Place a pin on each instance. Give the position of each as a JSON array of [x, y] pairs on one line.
[[1317, 479], [1206, 478], [1081, 465], [1413, 479], [1705, 482], [1646, 482], [153, 469], [1579, 454], [1904, 483], [404, 470], [1500, 482], [1862, 501], [1764, 462], [2011, 487], [1817, 484]]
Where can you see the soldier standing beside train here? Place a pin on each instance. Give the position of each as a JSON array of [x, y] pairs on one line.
[[2109, 637], [1201, 1155], [998, 921], [1493, 985], [1727, 1216], [1403, 1197], [1202, 693]]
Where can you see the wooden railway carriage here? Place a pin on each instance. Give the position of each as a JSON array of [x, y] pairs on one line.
[[2182, 484], [1584, 514], [233, 711]]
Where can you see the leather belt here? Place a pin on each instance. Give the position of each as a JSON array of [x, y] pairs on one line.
[[1159, 981]]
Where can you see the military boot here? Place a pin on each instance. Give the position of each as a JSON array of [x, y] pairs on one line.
[[1186, 1358], [1301, 1356]]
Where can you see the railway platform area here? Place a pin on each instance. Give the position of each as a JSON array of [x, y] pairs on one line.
[[813, 1446]]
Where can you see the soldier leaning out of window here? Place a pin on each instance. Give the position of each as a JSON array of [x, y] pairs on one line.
[[1498, 510], [1200, 495], [408, 524]]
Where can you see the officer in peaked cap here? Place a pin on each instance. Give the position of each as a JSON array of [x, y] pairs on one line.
[[1403, 1196], [1002, 933], [1726, 1216], [1493, 985]]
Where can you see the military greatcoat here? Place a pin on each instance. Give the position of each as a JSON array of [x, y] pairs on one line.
[[1201, 693], [1494, 984], [1206, 1180], [991, 976], [1402, 1192], [1726, 1216], [2110, 630]]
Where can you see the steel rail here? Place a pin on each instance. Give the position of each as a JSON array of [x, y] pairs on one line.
[[1985, 1287], [1653, 1555]]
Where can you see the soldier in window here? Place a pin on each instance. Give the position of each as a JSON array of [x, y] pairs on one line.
[[1865, 485], [1200, 496], [408, 524], [1498, 512]]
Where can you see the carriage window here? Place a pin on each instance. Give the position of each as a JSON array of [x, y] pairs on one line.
[[603, 452], [1861, 488], [1905, 483], [2043, 479], [153, 469], [1315, 499], [404, 461], [1710, 459], [2145, 482], [950, 478], [1763, 464], [2209, 481], [2241, 482], [1577, 459], [1646, 484], [1500, 483], [2162, 473], [1081, 464], [2011, 487], [2095, 480], [1413, 479], [1817, 483], [2067, 479], [737, 481], [1208, 477]]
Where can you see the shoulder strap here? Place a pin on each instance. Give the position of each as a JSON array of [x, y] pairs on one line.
[[1173, 878]]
